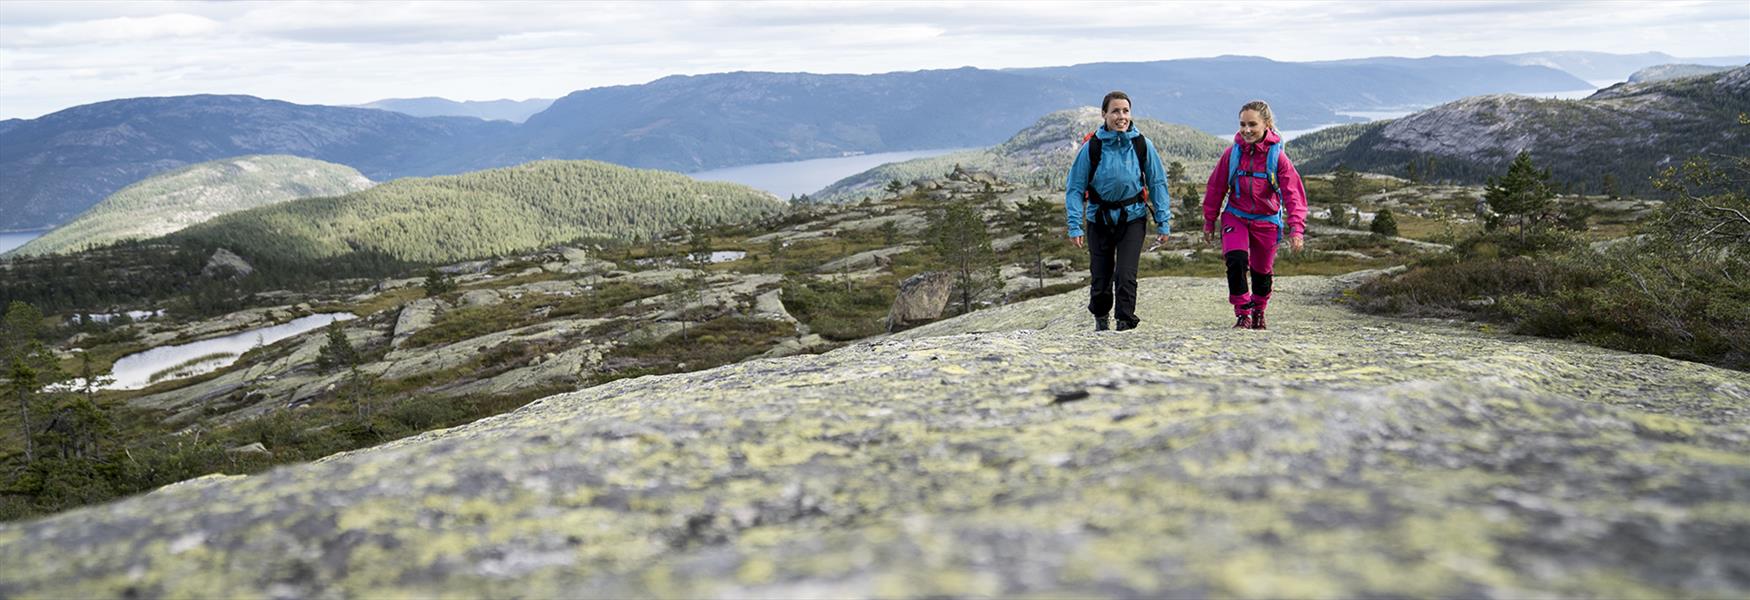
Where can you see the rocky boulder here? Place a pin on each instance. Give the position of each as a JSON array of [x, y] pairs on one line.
[[416, 315], [1335, 455], [879, 257], [921, 298], [225, 263]]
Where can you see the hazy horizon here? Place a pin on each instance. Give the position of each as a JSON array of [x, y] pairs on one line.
[[56, 55]]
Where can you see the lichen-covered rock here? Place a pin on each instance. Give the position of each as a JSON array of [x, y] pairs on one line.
[[921, 298], [879, 257], [480, 298], [225, 263], [1335, 455], [416, 315]]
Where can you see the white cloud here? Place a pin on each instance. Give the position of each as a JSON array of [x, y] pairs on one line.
[[58, 54], [110, 31]]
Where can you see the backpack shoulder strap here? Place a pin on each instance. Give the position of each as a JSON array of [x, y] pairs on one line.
[[1270, 166], [1092, 143], [1233, 170], [1140, 145]]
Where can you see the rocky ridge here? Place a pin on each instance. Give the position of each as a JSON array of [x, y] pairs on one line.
[[1629, 130], [1010, 451], [169, 202]]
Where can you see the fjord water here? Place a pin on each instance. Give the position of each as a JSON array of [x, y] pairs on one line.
[[795, 178], [135, 371], [14, 239]]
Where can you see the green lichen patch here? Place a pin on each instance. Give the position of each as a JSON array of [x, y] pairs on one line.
[[1008, 452]]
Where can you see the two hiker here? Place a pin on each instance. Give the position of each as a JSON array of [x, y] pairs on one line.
[[1116, 184]]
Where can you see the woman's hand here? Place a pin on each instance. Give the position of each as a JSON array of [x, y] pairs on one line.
[[1209, 238], [1296, 242], [1077, 240]]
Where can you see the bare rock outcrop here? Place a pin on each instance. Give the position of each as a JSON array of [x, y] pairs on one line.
[[225, 263], [1008, 452], [921, 298]]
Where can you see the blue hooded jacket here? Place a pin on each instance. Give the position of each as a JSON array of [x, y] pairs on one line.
[[1117, 179]]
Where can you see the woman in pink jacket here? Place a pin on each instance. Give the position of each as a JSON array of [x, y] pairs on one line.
[[1265, 201]]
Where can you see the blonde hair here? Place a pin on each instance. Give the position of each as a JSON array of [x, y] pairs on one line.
[[1263, 109]]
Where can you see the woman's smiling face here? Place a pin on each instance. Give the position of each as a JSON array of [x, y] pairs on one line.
[[1251, 126], [1118, 115]]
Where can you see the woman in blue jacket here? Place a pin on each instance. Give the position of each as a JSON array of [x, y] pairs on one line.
[[1115, 184]]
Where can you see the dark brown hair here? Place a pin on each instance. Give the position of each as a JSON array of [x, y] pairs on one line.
[[1106, 104]]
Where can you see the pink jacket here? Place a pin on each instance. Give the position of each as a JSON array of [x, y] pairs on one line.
[[1255, 195]]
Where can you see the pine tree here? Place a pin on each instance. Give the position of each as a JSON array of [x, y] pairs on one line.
[[1610, 187], [959, 235], [1037, 217], [438, 283], [1384, 224], [338, 353], [1345, 184], [889, 233], [1524, 193]]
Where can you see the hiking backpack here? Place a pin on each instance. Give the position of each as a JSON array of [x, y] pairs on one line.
[[1140, 146], [1269, 174]]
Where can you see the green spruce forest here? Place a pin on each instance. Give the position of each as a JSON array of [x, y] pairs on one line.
[[485, 213]]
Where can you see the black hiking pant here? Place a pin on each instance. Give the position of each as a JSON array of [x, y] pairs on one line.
[[1113, 253]]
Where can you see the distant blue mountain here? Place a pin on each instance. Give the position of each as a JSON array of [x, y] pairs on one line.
[[515, 111], [56, 166], [53, 167], [1600, 66]]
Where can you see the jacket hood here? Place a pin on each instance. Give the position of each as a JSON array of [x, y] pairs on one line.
[[1270, 137], [1107, 135]]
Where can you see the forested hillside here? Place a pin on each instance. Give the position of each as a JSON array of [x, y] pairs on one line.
[[1628, 131], [485, 213], [56, 166], [1040, 154], [166, 203]]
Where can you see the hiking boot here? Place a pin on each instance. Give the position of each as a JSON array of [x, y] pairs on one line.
[[1124, 325], [1258, 319], [1244, 322], [1100, 324]]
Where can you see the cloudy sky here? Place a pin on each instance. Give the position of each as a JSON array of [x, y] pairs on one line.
[[54, 55]]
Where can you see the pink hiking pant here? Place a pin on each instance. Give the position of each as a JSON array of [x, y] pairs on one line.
[[1258, 240]]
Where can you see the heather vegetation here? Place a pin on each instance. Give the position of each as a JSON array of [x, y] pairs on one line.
[[1680, 287], [502, 327]]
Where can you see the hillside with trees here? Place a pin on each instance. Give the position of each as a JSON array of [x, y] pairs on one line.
[[1628, 132], [56, 166], [1038, 155], [163, 204], [484, 213]]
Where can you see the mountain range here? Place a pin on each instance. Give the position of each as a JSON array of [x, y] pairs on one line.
[[515, 111], [53, 167], [1041, 154], [1604, 67], [1628, 131]]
